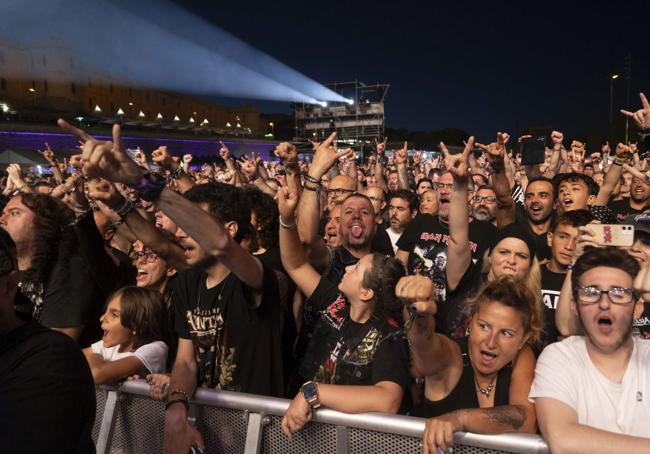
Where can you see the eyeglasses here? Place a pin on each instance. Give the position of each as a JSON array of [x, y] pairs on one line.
[[147, 256], [339, 191], [484, 198], [443, 186], [591, 295]]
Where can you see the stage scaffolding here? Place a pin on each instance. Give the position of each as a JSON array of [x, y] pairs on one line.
[[356, 124]]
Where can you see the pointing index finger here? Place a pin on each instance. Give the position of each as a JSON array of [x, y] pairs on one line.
[[444, 150], [327, 142], [468, 146], [81, 134]]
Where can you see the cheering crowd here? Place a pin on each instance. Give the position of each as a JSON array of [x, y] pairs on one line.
[[474, 289]]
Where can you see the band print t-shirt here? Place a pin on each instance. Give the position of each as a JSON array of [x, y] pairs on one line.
[[425, 238], [236, 345]]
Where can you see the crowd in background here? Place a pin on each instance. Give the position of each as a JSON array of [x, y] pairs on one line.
[[472, 287]]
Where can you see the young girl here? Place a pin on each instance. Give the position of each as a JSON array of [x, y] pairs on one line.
[[133, 328], [357, 358]]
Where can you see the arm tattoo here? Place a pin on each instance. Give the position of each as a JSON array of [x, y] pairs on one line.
[[510, 415]]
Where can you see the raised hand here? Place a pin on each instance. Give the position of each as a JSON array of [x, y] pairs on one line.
[[105, 159], [48, 154], [557, 138], [224, 152], [417, 293], [287, 198], [325, 156], [458, 164], [496, 150], [401, 156], [162, 157], [76, 161], [642, 116], [248, 167], [287, 152], [106, 192], [381, 146], [187, 158]]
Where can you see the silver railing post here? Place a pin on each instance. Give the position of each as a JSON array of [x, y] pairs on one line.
[[253, 433], [342, 440], [109, 417]]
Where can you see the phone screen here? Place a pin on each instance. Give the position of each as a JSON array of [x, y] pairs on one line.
[[532, 150]]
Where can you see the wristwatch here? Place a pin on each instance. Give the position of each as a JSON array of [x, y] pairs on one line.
[[310, 392]]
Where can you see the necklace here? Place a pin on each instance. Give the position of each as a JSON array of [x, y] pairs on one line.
[[200, 286], [488, 389]]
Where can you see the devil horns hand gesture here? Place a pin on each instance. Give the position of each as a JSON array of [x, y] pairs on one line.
[[458, 164]]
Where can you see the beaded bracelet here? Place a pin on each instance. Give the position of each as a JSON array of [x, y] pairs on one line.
[[126, 208], [312, 179]]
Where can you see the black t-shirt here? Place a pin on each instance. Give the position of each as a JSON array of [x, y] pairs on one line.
[[425, 238], [452, 317], [622, 208], [344, 352], [69, 299], [551, 286], [47, 395], [236, 345], [542, 249], [381, 241]]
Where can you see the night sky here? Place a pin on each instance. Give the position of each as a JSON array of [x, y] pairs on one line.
[[479, 67]]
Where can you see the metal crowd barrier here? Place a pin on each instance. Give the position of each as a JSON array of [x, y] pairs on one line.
[[129, 421]]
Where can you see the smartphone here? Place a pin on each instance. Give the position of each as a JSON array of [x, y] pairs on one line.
[[532, 150], [613, 234]]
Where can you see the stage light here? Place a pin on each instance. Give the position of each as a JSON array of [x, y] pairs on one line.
[[191, 120], [120, 111], [176, 118], [322, 103], [159, 116], [141, 114], [350, 101], [98, 109]]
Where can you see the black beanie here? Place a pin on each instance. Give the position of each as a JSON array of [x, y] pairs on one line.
[[514, 231]]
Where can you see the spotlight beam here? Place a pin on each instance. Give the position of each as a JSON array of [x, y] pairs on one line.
[[136, 50]]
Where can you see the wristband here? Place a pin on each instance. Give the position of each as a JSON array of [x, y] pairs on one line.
[[312, 179], [176, 401], [149, 187], [180, 391], [126, 208], [311, 188], [176, 174], [286, 226], [570, 266], [620, 160]]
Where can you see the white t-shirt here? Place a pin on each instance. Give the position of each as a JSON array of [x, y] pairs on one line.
[[565, 372], [393, 238], [153, 356]]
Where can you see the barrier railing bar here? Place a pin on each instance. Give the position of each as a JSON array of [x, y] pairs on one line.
[[394, 424], [109, 417], [253, 433], [342, 440]]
